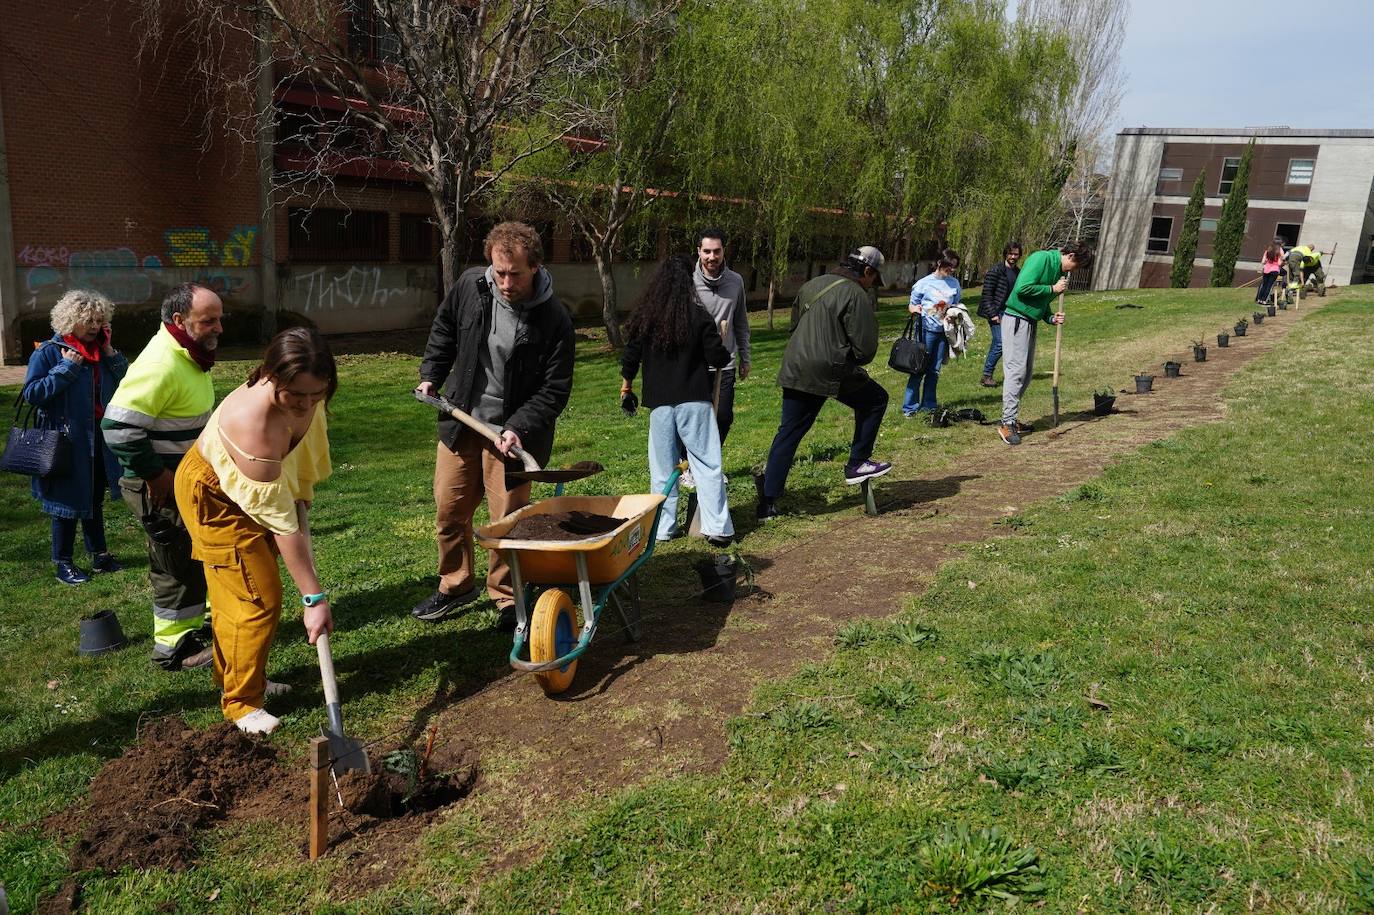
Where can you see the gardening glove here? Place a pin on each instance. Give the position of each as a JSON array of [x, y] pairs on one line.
[[629, 403]]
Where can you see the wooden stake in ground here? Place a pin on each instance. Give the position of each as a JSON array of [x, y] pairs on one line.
[[1058, 337], [319, 796], [694, 525]]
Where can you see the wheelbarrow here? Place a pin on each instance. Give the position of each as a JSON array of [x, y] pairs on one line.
[[600, 570]]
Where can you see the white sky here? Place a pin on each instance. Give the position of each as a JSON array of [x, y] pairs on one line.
[[1223, 63]]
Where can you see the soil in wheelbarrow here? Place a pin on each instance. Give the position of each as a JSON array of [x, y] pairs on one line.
[[563, 526], [147, 806]]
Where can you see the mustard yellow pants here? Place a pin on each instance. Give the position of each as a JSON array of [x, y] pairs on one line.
[[242, 579]]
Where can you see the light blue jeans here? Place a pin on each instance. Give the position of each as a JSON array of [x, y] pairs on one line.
[[693, 424]]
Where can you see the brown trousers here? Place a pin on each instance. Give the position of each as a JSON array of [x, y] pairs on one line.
[[460, 479]]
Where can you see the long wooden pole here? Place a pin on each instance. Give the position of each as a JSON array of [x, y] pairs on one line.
[[1058, 338]]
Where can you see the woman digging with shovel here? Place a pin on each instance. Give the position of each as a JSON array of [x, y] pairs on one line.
[[245, 492]]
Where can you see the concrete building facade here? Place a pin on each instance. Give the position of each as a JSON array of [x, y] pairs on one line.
[[1309, 186]]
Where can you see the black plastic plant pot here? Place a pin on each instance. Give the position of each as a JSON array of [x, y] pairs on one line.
[[1199, 354], [1144, 384], [717, 579], [1258, 318], [101, 633], [1172, 369], [1283, 305], [1271, 310], [1240, 330], [1223, 340], [1103, 403]]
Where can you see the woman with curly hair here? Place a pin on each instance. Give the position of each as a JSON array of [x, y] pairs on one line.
[[675, 340], [71, 379]]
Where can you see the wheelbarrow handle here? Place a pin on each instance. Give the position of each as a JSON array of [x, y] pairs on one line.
[[476, 425]]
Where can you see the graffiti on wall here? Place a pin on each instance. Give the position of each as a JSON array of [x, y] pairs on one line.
[[326, 288], [128, 279]]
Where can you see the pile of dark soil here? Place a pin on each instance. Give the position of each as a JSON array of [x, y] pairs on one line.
[[574, 525], [145, 805]]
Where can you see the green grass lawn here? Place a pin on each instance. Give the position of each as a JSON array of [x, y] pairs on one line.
[[1211, 590]]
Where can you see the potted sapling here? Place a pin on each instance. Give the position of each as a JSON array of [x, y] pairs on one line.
[[1199, 351], [1224, 338], [1172, 369], [1103, 401], [1259, 318], [1240, 327], [1271, 310], [1144, 383]]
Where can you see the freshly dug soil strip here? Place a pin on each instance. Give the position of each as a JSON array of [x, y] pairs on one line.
[[146, 804], [573, 525]]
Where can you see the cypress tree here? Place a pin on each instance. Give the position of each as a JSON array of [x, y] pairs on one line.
[[1186, 249], [1231, 224]]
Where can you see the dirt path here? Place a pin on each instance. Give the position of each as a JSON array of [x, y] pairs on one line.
[[659, 707]]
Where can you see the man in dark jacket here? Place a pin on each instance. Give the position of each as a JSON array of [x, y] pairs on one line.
[[834, 334], [501, 349], [997, 285]]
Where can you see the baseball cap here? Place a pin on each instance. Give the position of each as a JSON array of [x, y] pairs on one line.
[[870, 256]]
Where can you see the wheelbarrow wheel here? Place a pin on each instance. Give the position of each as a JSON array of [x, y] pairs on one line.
[[554, 632]]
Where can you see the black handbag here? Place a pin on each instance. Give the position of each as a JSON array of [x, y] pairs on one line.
[[35, 451], [908, 351]]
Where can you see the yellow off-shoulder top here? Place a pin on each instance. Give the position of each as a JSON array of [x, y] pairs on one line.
[[271, 504]]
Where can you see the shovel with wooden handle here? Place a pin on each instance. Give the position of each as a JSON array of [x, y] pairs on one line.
[[694, 526], [345, 753], [531, 469], [1058, 337]]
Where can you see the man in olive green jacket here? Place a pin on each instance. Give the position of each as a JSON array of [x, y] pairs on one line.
[[1043, 276], [834, 334]]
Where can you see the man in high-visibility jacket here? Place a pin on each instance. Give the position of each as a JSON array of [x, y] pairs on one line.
[[154, 418], [1305, 263]]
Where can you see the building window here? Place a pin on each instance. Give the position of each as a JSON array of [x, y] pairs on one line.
[[1229, 166], [1300, 170], [370, 38], [1171, 174], [1161, 227], [337, 235], [1207, 225], [419, 238], [1288, 231]]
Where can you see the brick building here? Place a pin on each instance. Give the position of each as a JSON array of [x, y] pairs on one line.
[[113, 176], [1310, 186]]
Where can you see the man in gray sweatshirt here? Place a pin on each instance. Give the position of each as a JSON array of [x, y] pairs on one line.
[[721, 292]]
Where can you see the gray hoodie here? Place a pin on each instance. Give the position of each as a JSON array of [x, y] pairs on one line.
[[723, 298], [504, 327]]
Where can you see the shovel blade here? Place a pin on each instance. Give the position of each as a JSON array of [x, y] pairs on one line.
[[346, 753]]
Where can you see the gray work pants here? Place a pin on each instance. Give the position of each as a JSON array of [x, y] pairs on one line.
[[1018, 361]]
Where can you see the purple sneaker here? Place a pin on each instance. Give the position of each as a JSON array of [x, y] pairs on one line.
[[857, 473]]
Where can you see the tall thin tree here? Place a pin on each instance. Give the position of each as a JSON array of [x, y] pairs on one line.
[[1186, 249], [1231, 224]]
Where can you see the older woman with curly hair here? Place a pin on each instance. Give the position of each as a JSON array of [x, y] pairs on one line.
[[71, 379]]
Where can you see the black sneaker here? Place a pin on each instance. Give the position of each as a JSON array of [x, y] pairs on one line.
[[868, 470], [721, 542], [767, 510], [69, 574], [105, 562], [438, 606], [505, 618]]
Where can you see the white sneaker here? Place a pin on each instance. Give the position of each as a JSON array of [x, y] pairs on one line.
[[687, 481], [277, 689], [258, 721]]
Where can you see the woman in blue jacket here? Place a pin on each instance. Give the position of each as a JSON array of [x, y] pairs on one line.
[[71, 379], [931, 295]]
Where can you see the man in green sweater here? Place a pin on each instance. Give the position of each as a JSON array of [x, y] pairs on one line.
[[1043, 276]]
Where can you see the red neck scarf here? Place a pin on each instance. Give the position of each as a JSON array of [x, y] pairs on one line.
[[205, 358], [91, 353]]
